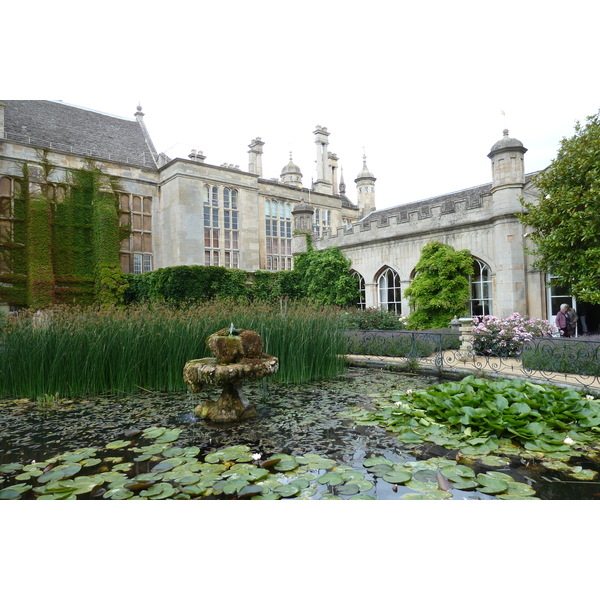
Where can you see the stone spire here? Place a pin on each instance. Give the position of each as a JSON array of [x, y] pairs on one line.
[[139, 115], [365, 187]]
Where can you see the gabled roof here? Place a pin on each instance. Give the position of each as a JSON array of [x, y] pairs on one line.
[[69, 128]]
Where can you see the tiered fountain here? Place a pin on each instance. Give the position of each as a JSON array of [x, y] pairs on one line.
[[238, 356]]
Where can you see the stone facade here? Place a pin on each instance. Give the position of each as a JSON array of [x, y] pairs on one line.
[[185, 211]]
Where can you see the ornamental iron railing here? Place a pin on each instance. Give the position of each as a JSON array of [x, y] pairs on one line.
[[565, 362]]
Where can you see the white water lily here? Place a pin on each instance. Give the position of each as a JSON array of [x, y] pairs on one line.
[[568, 440], [256, 456], [588, 397], [409, 392]]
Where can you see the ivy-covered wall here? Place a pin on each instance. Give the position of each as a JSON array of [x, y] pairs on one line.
[[66, 240]]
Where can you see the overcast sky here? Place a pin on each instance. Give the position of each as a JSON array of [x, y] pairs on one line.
[[418, 86]]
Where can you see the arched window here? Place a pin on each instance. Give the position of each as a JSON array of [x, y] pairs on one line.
[[360, 282], [480, 302], [390, 296]]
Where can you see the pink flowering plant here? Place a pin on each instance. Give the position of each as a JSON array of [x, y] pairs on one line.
[[506, 337]]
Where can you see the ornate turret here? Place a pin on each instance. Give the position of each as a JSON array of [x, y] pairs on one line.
[[508, 165], [291, 174], [365, 187], [508, 173]]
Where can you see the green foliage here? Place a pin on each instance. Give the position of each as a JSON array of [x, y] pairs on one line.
[[66, 241], [325, 277], [565, 223], [38, 244], [562, 356], [160, 470], [498, 418], [408, 344], [370, 318], [183, 284], [440, 288], [81, 351]]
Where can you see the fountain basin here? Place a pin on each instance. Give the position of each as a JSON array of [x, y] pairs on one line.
[[239, 357], [208, 372]]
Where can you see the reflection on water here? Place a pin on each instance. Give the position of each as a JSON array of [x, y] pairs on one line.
[[291, 419]]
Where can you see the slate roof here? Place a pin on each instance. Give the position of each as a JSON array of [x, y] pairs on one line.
[[76, 130]]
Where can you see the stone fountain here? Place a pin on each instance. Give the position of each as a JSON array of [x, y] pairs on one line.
[[238, 356]]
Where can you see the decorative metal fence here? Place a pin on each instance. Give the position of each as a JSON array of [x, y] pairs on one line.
[[560, 361]]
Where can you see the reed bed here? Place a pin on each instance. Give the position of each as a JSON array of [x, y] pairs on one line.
[[75, 352]]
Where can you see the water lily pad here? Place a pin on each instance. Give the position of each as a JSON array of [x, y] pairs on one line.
[[9, 494], [287, 490], [117, 444], [90, 462], [233, 453], [164, 465], [410, 437], [380, 470], [169, 436], [413, 496], [331, 478], [500, 475], [187, 479], [118, 494], [584, 474], [516, 488], [457, 472], [416, 484], [491, 485], [352, 476], [153, 432], [60, 472], [250, 490], [397, 476], [10, 467], [194, 489], [348, 489], [363, 497], [159, 491], [377, 460], [267, 496], [286, 464], [463, 483], [233, 486], [496, 461], [314, 461]]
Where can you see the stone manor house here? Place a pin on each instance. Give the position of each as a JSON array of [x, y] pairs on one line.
[[186, 211]]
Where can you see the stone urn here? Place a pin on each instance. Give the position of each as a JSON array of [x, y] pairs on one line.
[[238, 357]]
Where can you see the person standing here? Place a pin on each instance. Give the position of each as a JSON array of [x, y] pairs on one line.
[[573, 321], [563, 322]]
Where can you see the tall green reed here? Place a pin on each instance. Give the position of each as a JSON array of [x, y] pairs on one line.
[[84, 351]]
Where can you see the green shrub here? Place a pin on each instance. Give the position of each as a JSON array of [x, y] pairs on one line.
[[562, 356], [410, 345], [181, 284], [370, 319]]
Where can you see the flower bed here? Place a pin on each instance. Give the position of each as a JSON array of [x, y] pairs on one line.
[[506, 337]]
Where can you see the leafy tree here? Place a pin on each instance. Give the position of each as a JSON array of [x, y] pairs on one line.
[[565, 223], [325, 277], [440, 288]]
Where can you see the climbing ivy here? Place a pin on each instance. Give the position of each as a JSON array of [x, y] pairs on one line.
[[66, 239]]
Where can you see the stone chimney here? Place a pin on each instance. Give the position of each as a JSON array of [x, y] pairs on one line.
[[198, 156], [255, 152]]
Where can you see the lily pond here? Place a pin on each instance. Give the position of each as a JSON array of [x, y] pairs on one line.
[[358, 436]]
